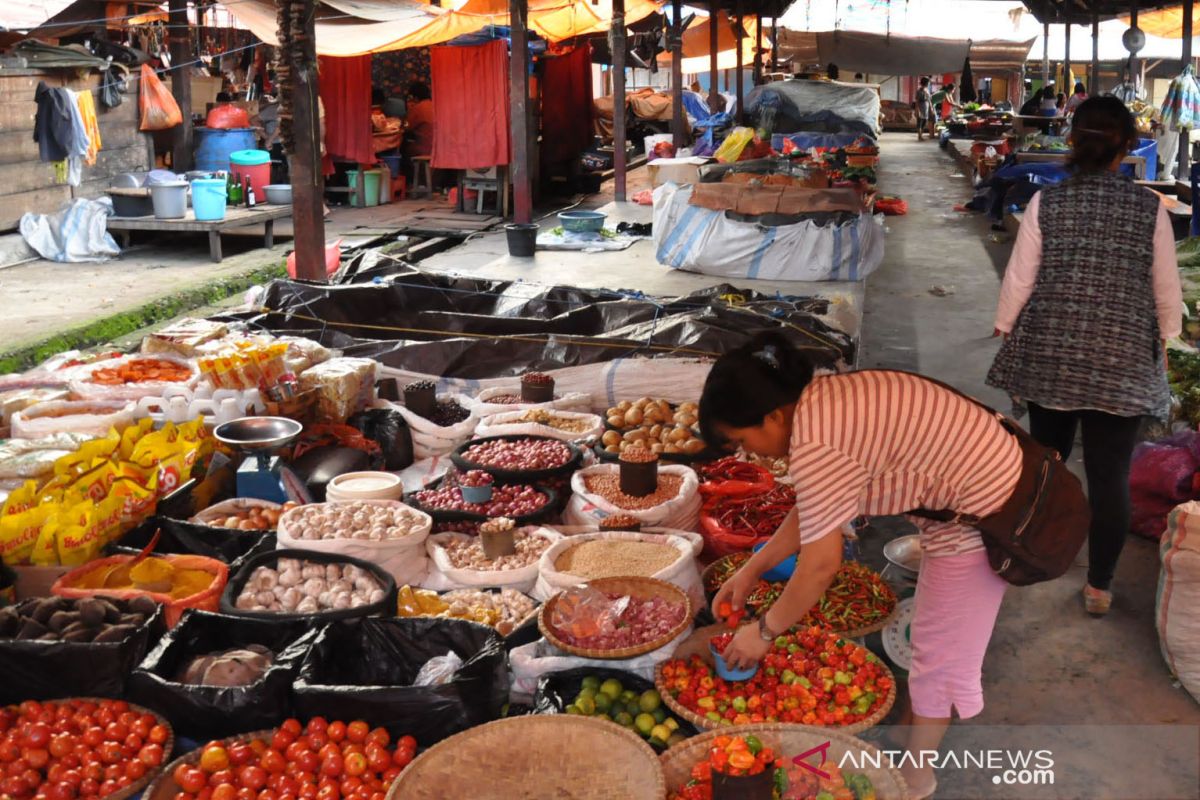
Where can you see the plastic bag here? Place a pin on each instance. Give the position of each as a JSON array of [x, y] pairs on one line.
[[439, 670], [484, 408], [514, 422], [1161, 476], [83, 388], [1178, 597], [224, 117], [70, 585], [158, 106], [89, 417], [207, 712], [390, 430], [731, 149], [46, 670], [367, 670], [443, 575], [188, 538]]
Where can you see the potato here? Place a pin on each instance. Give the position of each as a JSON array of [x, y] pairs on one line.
[[612, 448], [617, 421], [634, 416], [693, 446], [656, 431], [636, 435], [657, 447], [248, 525], [59, 620], [678, 435], [610, 438], [624, 406], [230, 522]]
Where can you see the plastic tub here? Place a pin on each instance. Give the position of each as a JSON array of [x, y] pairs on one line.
[[522, 239], [255, 165], [727, 672], [208, 198], [781, 571], [213, 146], [1147, 149], [365, 486], [582, 221], [169, 199], [370, 186]]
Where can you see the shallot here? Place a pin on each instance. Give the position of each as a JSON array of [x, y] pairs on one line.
[[519, 454]]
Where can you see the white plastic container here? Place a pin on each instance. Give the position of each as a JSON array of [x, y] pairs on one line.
[[169, 199], [365, 486]]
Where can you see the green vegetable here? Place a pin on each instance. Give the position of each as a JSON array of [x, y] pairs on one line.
[[754, 745], [861, 786]]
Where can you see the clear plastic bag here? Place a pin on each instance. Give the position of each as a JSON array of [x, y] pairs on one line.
[[439, 670]]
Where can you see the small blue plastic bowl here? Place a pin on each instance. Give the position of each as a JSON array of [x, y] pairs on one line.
[[731, 674], [477, 494], [781, 571], [582, 221]]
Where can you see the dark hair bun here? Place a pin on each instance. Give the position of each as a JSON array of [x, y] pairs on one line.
[[1102, 130]]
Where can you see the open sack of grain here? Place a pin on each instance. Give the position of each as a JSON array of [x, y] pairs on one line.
[[596, 495], [578, 559]]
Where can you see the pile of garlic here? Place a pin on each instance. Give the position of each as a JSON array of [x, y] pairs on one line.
[[354, 520], [305, 587]]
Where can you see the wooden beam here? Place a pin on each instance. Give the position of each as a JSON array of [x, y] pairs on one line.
[[715, 103], [308, 183], [1067, 62], [678, 124], [1094, 79], [1133, 59], [758, 46], [1045, 54], [1185, 145], [739, 34], [618, 54], [181, 83], [775, 43], [518, 98]]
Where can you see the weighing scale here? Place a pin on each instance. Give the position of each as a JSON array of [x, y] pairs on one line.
[[258, 438]]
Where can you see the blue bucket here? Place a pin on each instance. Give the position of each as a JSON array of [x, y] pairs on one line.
[[214, 146], [208, 198]]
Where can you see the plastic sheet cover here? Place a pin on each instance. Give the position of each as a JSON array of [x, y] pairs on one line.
[[471, 328]]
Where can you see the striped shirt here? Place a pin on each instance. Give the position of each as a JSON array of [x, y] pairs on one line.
[[883, 443]]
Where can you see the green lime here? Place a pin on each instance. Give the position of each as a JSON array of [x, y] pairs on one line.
[[604, 717], [603, 703], [645, 723], [612, 687], [654, 741], [672, 724], [624, 719], [633, 708], [573, 709], [649, 700], [660, 715], [591, 682], [628, 696], [587, 691], [586, 706]]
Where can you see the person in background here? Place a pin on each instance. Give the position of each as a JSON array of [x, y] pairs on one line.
[[924, 110], [1032, 106], [1076, 99], [418, 141], [1060, 102], [1049, 103], [1108, 267], [832, 72], [944, 102], [858, 77]]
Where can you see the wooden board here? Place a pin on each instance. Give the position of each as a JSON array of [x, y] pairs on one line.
[[40, 201], [446, 223], [234, 218]]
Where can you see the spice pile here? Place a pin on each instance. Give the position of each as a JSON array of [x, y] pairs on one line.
[[507, 501], [610, 558], [608, 486], [809, 676], [353, 520], [503, 610], [518, 454], [468, 554]]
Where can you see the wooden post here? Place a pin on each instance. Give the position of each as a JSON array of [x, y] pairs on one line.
[[181, 84], [774, 44], [739, 35], [308, 184], [1185, 139], [618, 55], [1133, 59], [1094, 80], [1067, 61], [678, 123], [518, 98], [714, 95], [1045, 54], [758, 46]]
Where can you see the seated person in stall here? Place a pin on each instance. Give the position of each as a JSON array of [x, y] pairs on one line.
[[418, 141], [1076, 99]]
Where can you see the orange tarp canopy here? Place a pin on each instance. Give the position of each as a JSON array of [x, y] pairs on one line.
[[352, 28], [1165, 23], [696, 45]]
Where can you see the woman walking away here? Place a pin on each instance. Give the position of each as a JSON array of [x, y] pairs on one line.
[[924, 107], [873, 442], [1085, 312]]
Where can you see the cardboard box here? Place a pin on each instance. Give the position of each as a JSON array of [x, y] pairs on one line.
[[205, 89], [676, 170]]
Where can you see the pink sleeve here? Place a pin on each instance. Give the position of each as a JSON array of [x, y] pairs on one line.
[[1168, 296], [1022, 269]]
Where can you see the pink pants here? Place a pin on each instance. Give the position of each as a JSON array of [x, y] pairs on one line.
[[958, 598]]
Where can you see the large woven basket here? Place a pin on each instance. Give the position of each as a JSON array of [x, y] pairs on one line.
[[697, 644], [164, 786], [790, 741], [135, 788], [536, 757], [642, 588]]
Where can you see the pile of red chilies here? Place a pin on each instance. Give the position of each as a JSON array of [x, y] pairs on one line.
[[753, 515]]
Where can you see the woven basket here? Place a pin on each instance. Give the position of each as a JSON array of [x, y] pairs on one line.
[[697, 644], [789, 741], [135, 788], [642, 588], [164, 786], [536, 757]]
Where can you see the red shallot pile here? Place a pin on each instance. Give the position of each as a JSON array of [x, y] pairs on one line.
[[519, 454], [642, 620], [507, 501]]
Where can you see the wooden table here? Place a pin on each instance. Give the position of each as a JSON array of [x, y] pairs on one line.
[[1063, 156], [234, 218]]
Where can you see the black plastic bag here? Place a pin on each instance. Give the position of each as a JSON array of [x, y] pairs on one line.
[[390, 430], [558, 690], [365, 670], [386, 606], [208, 712], [36, 670], [188, 538]]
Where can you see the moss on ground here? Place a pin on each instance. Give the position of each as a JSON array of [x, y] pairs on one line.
[[106, 329]]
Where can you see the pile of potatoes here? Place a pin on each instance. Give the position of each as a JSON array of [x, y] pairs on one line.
[[89, 619], [653, 424]]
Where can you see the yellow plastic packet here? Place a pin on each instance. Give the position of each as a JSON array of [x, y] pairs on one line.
[[138, 501], [131, 436], [85, 529], [21, 499], [20, 532], [94, 485], [88, 455]]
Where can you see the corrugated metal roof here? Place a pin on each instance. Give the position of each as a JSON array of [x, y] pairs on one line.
[[18, 15]]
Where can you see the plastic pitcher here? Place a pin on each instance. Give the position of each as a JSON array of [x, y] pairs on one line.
[[208, 198]]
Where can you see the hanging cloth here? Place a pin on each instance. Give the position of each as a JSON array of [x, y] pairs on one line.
[[87, 113], [470, 106], [345, 88], [967, 93], [567, 101], [1181, 108]]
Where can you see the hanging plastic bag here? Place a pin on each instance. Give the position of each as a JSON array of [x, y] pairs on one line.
[[734, 144], [158, 106]]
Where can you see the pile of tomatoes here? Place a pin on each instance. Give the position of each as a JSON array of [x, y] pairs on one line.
[[77, 748], [321, 761], [809, 676]]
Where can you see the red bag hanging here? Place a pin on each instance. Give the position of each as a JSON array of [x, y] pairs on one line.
[[158, 106]]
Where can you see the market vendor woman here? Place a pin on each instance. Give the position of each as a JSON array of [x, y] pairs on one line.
[[872, 443]]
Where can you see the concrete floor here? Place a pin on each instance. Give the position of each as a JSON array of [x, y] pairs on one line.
[[1049, 662]]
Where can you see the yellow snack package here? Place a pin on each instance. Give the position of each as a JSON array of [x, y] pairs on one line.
[[88, 455], [138, 501], [85, 529], [131, 436], [94, 485], [22, 499], [20, 532]]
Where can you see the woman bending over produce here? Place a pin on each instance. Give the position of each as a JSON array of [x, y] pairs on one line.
[[875, 443]]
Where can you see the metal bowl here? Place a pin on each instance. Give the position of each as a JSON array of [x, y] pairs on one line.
[[250, 434], [905, 553], [582, 221]]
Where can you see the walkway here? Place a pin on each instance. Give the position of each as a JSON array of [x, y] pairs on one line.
[[1049, 662]]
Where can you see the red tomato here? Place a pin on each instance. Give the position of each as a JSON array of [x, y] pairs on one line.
[[93, 736], [329, 750], [309, 761], [135, 770], [246, 794], [403, 756], [287, 785], [89, 788], [158, 734], [15, 768], [291, 726], [355, 764], [336, 731], [378, 758], [94, 772], [296, 749], [29, 708], [328, 793], [332, 766], [317, 740], [37, 758], [407, 741], [352, 747], [188, 778], [73, 777], [116, 732], [258, 747], [317, 725], [104, 717], [61, 745], [71, 761], [252, 777], [38, 735], [109, 752], [151, 755], [267, 794], [220, 777], [380, 737], [141, 728], [308, 791], [273, 761], [224, 792], [183, 796], [9, 752], [240, 754], [205, 793], [357, 731], [390, 775]]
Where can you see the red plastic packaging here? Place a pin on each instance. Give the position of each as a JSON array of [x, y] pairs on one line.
[[226, 117]]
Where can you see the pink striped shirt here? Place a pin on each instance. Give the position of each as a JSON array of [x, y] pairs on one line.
[[883, 443]]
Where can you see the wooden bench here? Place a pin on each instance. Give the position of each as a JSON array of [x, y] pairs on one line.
[[1138, 162], [234, 218]]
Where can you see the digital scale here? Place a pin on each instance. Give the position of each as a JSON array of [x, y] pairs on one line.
[[258, 439]]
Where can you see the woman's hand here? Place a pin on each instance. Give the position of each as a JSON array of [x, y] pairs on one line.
[[735, 591], [747, 648]]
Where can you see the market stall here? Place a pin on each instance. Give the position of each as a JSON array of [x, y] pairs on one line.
[[325, 548]]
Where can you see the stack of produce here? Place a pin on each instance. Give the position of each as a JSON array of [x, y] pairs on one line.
[[503, 610], [90, 619], [642, 713], [743, 505], [653, 424], [293, 586]]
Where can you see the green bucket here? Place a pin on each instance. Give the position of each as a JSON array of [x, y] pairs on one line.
[[370, 187]]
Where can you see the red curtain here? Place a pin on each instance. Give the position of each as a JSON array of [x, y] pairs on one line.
[[470, 106], [345, 86], [567, 105]]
